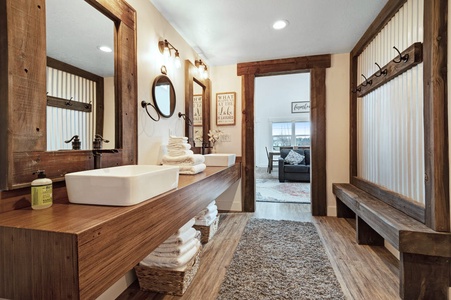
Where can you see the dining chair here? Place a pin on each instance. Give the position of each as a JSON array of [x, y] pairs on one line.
[[270, 161]]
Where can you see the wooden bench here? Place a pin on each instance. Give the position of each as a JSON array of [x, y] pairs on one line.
[[424, 253]]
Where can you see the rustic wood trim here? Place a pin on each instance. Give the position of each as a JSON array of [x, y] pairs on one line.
[[389, 10], [116, 10], [407, 205], [435, 115], [353, 119], [284, 66], [68, 68], [69, 104], [318, 141], [26, 88], [247, 143], [414, 55], [249, 71], [102, 242], [191, 77], [5, 143]]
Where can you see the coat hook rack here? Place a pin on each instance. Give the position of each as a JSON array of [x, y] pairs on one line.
[[380, 72], [144, 105], [69, 103], [403, 58], [367, 82], [358, 89]]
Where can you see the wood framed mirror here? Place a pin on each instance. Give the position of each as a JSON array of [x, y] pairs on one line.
[[23, 88], [195, 85]]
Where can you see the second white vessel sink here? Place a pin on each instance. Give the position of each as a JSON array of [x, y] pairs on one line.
[[121, 186], [219, 160]]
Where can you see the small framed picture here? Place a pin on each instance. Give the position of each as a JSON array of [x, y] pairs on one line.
[[300, 107], [225, 108], [197, 110]]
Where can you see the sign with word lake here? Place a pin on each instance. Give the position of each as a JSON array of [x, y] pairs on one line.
[[300, 107], [197, 110], [225, 108]]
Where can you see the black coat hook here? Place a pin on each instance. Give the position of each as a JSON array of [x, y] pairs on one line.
[[404, 58], [367, 82], [380, 72], [358, 89], [68, 103]]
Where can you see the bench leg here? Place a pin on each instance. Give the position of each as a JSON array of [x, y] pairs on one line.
[[343, 211], [424, 277], [366, 235]]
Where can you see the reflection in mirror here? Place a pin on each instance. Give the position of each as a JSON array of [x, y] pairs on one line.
[[197, 114], [79, 75], [163, 93]]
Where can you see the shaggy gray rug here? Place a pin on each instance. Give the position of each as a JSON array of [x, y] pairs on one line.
[[280, 260]]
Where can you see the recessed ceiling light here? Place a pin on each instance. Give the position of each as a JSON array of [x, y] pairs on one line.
[[105, 49], [280, 24]]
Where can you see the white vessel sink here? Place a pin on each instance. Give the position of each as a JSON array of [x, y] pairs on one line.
[[219, 160], [121, 186]]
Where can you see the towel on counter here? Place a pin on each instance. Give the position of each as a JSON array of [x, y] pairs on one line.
[[176, 250], [170, 262], [181, 238], [191, 170], [174, 153], [179, 146], [178, 140], [186, 160]]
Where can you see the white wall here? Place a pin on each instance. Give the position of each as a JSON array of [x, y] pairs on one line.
[[337, 126], [224, 79], [272, 102]]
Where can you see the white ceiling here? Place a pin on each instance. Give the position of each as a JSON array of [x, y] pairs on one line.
[[227, 32]]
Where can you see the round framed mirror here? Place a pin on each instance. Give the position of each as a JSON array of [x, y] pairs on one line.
[[163, 93]]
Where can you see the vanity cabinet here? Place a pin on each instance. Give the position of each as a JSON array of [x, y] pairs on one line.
[[74, 251]]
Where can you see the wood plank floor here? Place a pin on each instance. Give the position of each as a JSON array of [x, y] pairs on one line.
[[364, 272]]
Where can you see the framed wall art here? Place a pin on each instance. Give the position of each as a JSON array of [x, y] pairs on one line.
[[197, 110], [225, 108], [300, 107]]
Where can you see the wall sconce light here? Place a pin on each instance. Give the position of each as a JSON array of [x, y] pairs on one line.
[[202, 67], [165, 48]]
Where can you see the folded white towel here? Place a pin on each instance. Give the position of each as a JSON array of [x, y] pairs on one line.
[[181, 238], [179, 146], [191, 170], [175, 153], [170, 262], [209, 209], [207, 219], [177, 138], [176, 250], [210, 215], [185, 227], [186, 160]]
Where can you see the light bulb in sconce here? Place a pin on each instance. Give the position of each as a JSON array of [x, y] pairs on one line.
[[166, 52], [177, 61]]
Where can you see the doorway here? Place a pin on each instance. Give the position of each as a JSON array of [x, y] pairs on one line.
[[282, 123], [316, 65]]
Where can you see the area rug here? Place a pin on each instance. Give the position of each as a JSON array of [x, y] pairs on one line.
[[271, 190], [280, 260]]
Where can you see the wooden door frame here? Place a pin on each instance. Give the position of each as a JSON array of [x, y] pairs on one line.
[[316, 65]]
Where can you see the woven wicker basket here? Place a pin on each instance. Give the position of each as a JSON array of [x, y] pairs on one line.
[[207, 232], [167, 281]]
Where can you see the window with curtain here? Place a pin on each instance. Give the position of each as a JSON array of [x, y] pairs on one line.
[[290, 134]]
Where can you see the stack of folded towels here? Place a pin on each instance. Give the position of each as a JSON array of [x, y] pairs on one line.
[[179, 154], [177, 251], [207, 216]]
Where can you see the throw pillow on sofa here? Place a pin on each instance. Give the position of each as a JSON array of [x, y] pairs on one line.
[[294, 158]]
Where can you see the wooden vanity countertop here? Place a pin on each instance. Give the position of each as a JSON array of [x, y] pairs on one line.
[[78, 251]]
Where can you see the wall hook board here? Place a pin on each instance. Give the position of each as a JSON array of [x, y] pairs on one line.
[[144, 105], [380, 72], [358, 89], [401, 57]]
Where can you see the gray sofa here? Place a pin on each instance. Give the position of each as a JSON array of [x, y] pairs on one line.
[[300, 172]]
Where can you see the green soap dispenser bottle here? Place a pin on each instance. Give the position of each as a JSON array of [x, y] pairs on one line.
[[41, 192]]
